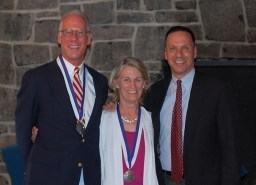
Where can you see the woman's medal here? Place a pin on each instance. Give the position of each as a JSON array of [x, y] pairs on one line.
[[129, 175]]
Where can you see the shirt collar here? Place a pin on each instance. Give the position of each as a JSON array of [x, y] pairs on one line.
[[186, 80]]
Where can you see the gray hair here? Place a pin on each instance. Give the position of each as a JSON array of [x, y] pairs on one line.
[[76, 12]]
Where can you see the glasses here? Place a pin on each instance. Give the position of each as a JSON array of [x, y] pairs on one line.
[[69, 32]]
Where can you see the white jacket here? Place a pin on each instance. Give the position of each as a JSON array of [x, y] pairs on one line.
[[112, 142]]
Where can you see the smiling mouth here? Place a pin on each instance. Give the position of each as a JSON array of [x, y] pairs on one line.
[[74, 47], [132, 92], [180, 61]]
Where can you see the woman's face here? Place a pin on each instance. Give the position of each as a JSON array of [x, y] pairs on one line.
[[130, 84]]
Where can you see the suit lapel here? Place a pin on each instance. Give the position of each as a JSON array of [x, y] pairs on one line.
[[196, 97], [161, 94], [57, 84]]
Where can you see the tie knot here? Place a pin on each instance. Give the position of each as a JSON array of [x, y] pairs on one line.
[[179, 82], [76, 70]]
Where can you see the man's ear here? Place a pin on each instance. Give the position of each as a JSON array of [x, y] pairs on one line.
[[89, 38], [195, 52]]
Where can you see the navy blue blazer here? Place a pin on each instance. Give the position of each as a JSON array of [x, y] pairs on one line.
[[211, 151], [58, 152]]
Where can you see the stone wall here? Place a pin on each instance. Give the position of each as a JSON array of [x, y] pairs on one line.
[[224, 29]]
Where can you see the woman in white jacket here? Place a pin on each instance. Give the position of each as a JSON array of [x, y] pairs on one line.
[[126, 135]]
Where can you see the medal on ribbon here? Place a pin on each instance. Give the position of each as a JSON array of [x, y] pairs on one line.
[[80, 111], [129, 175]]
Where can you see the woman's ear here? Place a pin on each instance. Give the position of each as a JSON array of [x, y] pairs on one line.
[[115, 84]]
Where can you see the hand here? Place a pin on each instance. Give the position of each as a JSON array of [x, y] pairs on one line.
[[34, 134], [110, 106]]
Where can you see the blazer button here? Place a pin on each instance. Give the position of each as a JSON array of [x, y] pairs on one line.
[[80, 165]]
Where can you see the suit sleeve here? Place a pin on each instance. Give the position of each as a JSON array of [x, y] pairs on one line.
[[25, 114], [229, 131]]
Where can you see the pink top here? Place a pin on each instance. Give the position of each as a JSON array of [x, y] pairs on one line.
[[138, 167]]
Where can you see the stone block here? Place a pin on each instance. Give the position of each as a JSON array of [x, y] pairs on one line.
[[251, 36], [197, 30], [185, 5], [128, 5], [1, 159], [153, 66], [66, 8], [65, 1], [3, 180], [47, 14], [149, 42], [47, 31], [7, 140], [3, 128], [3, 169], [12, 128], [155, 77], [31, 54], [133, 17], [95, 12], [6, 5], [239, 51], [55, 52], [107, 54], [250, 8], [7, 105], [36, 4], [157, 5], [208, 50], [174, 16], [223, 21], [19, 74], [15, 27], [6, 66], [111, 32]]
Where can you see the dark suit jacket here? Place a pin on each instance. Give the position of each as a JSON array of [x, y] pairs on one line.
[[211, 151], [43, 101]]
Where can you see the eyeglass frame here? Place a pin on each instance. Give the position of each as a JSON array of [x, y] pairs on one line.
[[76, 31]]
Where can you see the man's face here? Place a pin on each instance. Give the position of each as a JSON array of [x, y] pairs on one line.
[[180, 53], [74, 48]]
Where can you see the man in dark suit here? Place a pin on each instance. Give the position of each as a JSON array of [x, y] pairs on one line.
[[210, 128], [66, 150]]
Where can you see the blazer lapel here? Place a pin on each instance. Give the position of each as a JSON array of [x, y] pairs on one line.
[[196, 97], [161, 94], [58, 86]]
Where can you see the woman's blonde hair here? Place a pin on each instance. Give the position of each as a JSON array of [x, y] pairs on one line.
[[133, 62]]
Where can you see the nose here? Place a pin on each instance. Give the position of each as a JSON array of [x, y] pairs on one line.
[[132, 83], [179, 52], [74, 35]]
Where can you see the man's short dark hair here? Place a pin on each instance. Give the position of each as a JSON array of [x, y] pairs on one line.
[[180, 28]]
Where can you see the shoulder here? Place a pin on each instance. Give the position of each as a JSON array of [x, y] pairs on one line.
[[41, 70], [161, 83], [107, 116], [95, 74], [145, 114], [210, 81]]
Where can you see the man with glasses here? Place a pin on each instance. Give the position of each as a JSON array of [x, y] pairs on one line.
[[64, 100]]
